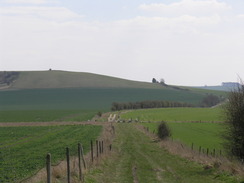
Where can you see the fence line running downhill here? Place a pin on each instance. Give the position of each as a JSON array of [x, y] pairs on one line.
[[97, 150], [76, 166], [205, 151]]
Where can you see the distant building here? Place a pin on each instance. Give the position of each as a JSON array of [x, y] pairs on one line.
[[231, 84]]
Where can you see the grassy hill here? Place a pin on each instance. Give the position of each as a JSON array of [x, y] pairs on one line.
[[45, 92], [78, 90], [64, 79]]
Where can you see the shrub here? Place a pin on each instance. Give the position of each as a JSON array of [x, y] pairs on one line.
[[234, 113], [99, 113], [163, 131], [210, 100]]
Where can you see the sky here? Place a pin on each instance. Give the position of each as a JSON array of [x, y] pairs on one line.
[[185, 42]]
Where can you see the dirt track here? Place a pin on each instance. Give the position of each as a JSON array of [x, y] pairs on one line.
[[139, 159]]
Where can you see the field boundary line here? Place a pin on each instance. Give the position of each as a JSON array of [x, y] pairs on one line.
[[17, 124]]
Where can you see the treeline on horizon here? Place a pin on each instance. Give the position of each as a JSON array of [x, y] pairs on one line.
[[208, 101], [117, 106]]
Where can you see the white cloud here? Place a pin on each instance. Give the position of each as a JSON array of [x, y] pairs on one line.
[[241, 16], [187, 7], [175, 48], [173, 21], [38, 2], [52, 13]]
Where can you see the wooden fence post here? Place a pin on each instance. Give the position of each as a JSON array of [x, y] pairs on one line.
[[192, 146], [113, 129], [207, 151], [97, 148], [200, 148], [102, 146], [82, 155], [68, 164], [91, 151], [79, 159], [48, 166], [110, 147]]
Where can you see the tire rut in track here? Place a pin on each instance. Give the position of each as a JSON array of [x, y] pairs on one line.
[[139, 159]]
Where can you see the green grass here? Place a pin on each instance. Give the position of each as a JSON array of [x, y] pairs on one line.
[[46, 115], [133, 150], [206, 135], [204, 90], [175, 114], [23, 149], [87, 98], [52, 104], [64, 79]]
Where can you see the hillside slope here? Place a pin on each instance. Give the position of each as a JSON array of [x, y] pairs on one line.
[[56, 90], [64, 79]]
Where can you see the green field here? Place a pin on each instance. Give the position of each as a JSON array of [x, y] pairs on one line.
[[176, 114], [88, 98], [55, 104], [23, 149], [188, 125], [46, 115], [45, 91], [206, 135], [69, 96]]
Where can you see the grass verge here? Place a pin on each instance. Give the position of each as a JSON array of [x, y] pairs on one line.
[[206, 135], [137, 158]]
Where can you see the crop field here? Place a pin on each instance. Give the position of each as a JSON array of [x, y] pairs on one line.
[[23, 149], [46, 115], [78, 103], [176, 114], [206, 135], [88, 98]]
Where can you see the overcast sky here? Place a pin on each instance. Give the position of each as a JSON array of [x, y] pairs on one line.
[[186, 42]]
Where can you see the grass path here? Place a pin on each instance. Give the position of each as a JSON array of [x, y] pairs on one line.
[[137, 159]]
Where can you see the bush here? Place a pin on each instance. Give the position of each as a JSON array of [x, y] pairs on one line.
[[210, 100], [163, 131], [99, 114], [147, 105], [234, 113]]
